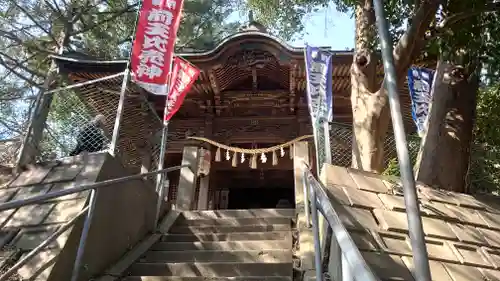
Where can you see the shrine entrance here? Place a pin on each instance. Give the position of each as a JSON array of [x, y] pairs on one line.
[[270, 184], [257, 189]]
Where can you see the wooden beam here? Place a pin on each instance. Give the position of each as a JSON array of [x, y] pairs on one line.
[[254, 80], [246, 119], [215, 86], [293, 85]]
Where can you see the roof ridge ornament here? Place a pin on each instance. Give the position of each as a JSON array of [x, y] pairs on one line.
[[253, 25]]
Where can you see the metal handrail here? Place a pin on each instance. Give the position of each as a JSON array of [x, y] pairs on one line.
[[88, 210], [351, 258], [41, 246], [415, 228], [41, 198]]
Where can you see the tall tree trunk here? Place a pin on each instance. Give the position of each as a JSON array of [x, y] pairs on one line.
[[437, 113], [447, 166], [34, 135], [369, 100], [369, 103]]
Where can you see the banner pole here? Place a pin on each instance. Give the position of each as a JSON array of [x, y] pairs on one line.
[[321, 130], [126, 77], [119, 112], [415, 227], [160, 177]]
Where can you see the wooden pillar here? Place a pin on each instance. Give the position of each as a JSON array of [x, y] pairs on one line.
[[306, 252], [146, 157], [187, 179], [146, 162], [203, 193]]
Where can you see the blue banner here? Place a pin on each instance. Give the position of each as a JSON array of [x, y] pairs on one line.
[[420, 85], [319, 83]]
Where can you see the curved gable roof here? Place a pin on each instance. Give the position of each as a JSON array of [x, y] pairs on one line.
[[233, 43]]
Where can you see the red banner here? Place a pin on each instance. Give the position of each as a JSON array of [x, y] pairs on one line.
[[184, 75], [154, 42]]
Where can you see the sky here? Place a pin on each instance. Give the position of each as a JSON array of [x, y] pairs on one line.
[[328, 28]]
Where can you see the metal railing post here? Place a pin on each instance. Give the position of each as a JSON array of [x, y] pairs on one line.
[[420, 256], [346, 270], [316, 237], [24, 260], [351, 259], [119, 111], [305, 185], [83, 237], [160, 179], [89, 210]]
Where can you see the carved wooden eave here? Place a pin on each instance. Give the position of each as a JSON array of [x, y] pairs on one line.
[[250, 76], [293, 84], [215, 86]]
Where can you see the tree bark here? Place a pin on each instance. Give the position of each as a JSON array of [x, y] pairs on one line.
[[34, 134], [369, 104], [371, 115], [443, 94], [454, 139]]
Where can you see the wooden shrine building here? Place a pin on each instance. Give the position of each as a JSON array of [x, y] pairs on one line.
[[251, 93]]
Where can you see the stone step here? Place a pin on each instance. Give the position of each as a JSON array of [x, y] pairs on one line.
[[261, 256], [250, 213], [233, 221], [194, 269], [228, 229], [233, 236], [204, 278], [283, 244]]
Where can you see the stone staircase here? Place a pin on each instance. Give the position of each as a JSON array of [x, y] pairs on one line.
[[221, 245]]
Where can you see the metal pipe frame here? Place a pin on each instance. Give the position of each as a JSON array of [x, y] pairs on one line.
[[83, 237], [119, 111], [160, 189], [420, 255], [317, 240], [306, 200], [353, 265], [78, 85], [39, 248], [37, 199], [89, 210]]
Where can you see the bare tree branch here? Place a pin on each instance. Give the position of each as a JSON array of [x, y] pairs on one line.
[[16, 39], [20, 65], [453, 19], [32, 19], [450, 21], [406, 48], [9, 127], [21, 76], [94, 25]]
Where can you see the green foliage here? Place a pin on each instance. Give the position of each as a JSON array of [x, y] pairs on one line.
[[485, 158], [488, 115], [287, 17], [284, 17], [204, 23], [31, 31], [484, 173], [392, 168]]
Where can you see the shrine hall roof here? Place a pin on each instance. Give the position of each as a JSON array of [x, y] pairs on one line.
[[234, 62]]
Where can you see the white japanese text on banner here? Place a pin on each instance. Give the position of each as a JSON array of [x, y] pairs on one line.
[[319, 83], [184, 75], [154, 42], [420, 86]]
